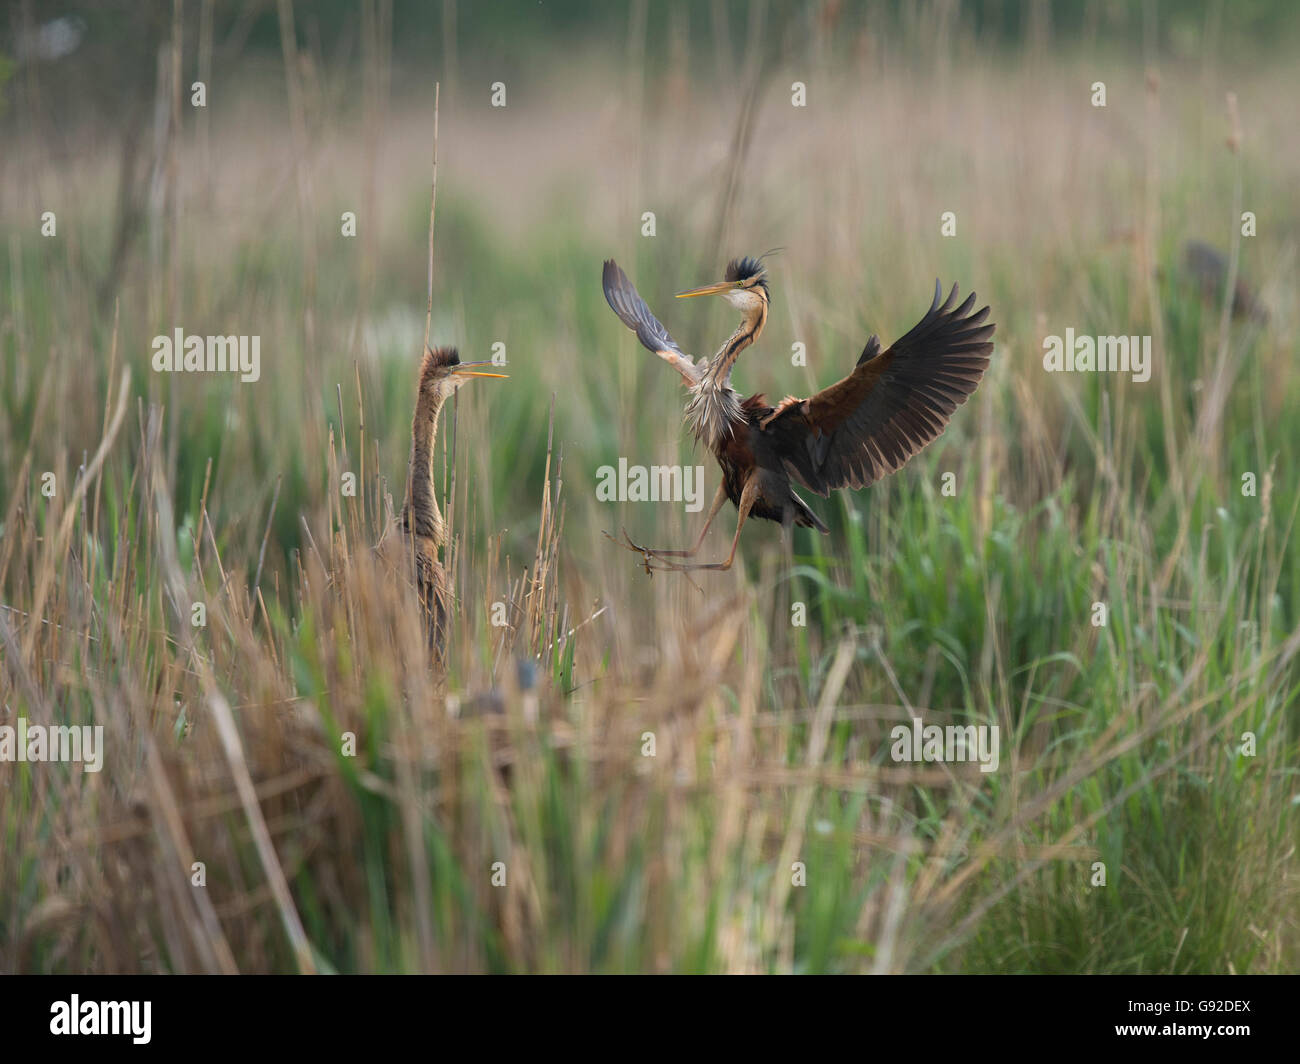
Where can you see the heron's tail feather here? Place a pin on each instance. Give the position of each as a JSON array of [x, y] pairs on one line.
[[805, 518]]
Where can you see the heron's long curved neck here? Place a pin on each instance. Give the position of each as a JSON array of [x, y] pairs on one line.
[[714, 408], [749, 329], [421, 515]]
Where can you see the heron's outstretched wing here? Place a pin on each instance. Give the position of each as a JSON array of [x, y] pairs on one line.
[[892, 404], [624, 300]]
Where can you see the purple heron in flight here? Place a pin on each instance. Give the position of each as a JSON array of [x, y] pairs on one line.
[[849, 435]]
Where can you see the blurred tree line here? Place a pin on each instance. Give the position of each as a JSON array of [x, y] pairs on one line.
[[97, 56]]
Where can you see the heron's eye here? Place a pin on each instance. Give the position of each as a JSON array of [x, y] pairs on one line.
[[740, 284]]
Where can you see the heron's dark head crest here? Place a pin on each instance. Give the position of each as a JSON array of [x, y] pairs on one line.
[[748, 271], [441, 357]]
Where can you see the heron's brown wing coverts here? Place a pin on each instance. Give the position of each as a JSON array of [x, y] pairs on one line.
[[627, 303], [892, 404]]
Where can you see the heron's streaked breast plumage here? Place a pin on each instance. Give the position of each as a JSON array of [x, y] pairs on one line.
[[713, 411]]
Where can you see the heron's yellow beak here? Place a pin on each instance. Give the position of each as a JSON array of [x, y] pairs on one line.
[[708, 290], [464, 369]]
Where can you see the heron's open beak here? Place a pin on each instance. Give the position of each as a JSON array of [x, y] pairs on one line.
[[708, 290], [465, 369]]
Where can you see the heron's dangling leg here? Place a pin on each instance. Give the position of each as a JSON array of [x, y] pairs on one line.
[[747, 500], [652, 552]]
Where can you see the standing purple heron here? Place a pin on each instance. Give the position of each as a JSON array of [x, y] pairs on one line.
[[849, 435], [441, 374]]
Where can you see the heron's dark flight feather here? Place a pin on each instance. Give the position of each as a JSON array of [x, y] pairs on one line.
[[627, 303], [892, 404]]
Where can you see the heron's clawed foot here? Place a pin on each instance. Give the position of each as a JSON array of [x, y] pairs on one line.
[[653, 560], [626, 541]]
